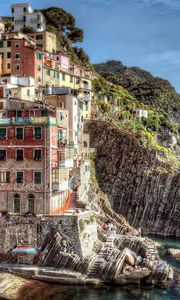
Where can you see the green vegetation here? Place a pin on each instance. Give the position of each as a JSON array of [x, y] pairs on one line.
[[114, 103], [154, 92], [27, 29], [64, 26]]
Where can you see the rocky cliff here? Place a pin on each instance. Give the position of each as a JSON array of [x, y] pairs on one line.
[[142, 188]]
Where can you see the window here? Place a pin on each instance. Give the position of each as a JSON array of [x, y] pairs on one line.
[[22, 105], [39, 78], [8, 66], [85, 144], [24, 9], [37, 133], [19, 154], [61, 116], [8, 54], [17, 56], [28, 92], [19, 177], [58, 75], [4, 177], [19, 133], [48, 72], [60, 135], [2, 154], [2, 54], [86, 106], [7, 177], [39, 56], [38, 26], [44, 113], [71, 78], [31, 203], [86, 168], [2, 133], [12, 27], [39, 67], [17, 67], [17, 46], [17, 206], [63, 76], [38, 17], [37, 177], [37, 154], [24, 18], [1, 44], [39, 37], [54, 74], [12, 10], [18, 113]]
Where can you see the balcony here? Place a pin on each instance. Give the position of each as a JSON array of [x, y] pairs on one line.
[[30, 120], [85, 86], [20, 21]]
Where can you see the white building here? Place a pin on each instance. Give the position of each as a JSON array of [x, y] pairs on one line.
[[141, 113], [23, 15]]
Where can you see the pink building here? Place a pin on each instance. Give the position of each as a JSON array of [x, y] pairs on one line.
[[63, 61]]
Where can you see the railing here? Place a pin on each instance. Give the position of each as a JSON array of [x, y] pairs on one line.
[[85, 86], [19, 21], [25, 120]]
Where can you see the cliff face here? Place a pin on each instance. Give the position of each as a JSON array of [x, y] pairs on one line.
[[139, 186]]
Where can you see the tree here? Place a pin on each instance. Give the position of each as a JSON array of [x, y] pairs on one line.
[[27, 29], [64, 22], [76, 35]]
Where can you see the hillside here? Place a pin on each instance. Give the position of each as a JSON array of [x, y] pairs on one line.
[[63, 24], [154, 92]]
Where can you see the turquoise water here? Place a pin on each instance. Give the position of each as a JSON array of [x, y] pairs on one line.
[[168, 243], [113, 293]]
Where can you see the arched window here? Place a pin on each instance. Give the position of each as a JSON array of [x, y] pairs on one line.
[[85, 144], [17, 204], [31, 203]]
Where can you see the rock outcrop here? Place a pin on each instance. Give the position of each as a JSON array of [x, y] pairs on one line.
[[142, 188]]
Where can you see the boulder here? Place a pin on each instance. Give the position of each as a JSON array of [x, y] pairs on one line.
[[174, 253], [134, 277]]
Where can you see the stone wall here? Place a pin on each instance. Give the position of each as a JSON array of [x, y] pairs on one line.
[[18, 230], [142, 188]]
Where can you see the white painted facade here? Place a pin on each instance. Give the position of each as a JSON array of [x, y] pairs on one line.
[[23, 15]]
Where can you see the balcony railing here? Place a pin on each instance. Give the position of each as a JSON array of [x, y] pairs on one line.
[[30, 120], [85, 86], [19, 21]]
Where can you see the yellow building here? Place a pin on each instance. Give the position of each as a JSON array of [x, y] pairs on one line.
[[29, 93], [46, 40]]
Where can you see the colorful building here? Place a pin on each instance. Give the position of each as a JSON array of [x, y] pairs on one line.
[[32, 149], [24, 16]]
